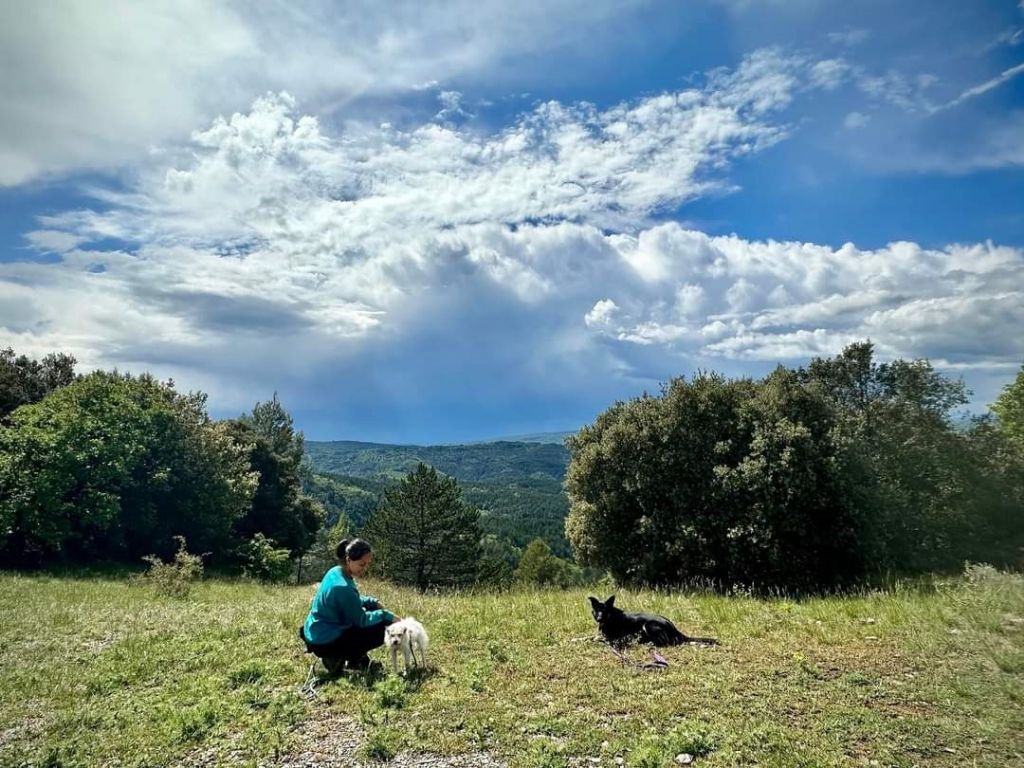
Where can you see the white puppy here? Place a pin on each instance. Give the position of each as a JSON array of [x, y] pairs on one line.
[[409, 636]]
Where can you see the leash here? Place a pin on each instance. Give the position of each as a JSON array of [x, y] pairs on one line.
[[308, 689], [657, 663]]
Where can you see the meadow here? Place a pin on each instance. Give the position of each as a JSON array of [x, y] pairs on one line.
[[107, 671]]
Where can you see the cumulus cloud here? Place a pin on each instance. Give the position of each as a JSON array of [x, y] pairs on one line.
[[271, 247], [788, 301]]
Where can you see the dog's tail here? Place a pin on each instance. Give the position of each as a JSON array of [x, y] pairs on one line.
[[663, 634]]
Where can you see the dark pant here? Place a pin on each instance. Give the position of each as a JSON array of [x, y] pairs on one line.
[[353, 644]]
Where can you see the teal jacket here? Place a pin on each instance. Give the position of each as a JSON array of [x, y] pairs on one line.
[[338, 606]]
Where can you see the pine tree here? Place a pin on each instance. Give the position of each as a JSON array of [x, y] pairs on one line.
[[424, 533]]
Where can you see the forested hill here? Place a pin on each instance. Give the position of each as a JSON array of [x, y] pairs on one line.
[[499, 462], [516, 485]]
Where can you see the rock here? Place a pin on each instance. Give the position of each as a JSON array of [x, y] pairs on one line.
[[684, 758]]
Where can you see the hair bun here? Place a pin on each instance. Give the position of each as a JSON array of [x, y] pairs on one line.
[[339, 551]]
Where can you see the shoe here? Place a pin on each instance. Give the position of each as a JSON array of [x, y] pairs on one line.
[[333, 664], [361, 664]]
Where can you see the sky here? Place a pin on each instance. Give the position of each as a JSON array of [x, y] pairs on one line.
[[439, 222]]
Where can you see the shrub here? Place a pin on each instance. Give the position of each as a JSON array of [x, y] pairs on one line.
[[382, 744], [175, 578], [264, 561]]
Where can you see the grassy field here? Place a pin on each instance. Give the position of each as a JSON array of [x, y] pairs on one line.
[[105, 672]]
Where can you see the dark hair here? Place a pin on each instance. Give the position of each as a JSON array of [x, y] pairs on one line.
[[355, 549]]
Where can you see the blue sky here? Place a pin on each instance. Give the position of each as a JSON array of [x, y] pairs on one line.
[[435, 222]]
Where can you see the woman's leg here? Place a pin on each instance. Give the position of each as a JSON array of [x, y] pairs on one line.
[[351, 646], [358, 641]]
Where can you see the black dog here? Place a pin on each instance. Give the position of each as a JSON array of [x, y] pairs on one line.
[[619, 628]]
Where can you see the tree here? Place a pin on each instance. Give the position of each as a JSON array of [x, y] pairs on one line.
[[539, 565], [716, 480], [24, 381], [910, 469], [1009, 408], [424, 533], [114, 467], [498, 560], [803, 479], [279, 511]]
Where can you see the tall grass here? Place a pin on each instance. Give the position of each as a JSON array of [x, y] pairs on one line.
[[106, 671]]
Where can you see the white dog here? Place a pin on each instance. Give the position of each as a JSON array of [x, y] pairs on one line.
[[409, 636]]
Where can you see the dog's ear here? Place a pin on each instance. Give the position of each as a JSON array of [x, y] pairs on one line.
[[610, 602], [594, 602]]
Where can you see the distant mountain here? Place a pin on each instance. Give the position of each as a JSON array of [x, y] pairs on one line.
[[500, 461], [537, 437]]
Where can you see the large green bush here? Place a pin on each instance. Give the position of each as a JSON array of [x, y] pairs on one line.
[[804, 479], [114, 466]]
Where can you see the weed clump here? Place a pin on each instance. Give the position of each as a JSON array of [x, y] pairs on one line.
[[175, 578]]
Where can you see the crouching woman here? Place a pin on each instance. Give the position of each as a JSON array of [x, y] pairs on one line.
[[342, 625]]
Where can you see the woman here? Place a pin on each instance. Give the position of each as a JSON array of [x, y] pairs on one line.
[[343, 625]]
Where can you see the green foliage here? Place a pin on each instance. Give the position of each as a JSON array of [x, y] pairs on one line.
[[382, 744], [110, 467], [323, 554], [424, 533], [539, 566], [264, 561], [544, 754], [1009, 408], [352, 498], [927, 496], [723, 481], [483, 462], [24, 381], [803, 479], [175, 578], [519, 511], [391, 693], [279, 509], [498, 561]]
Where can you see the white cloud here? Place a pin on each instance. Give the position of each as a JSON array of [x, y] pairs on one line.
[[856, 120], [271, 247], [601, 314], [908, 93], [985, 87], [689, 300], [54, 241], [93, 85], [830, 74], [849, 37]]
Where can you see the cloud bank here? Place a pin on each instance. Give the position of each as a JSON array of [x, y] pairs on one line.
[[442, 264]]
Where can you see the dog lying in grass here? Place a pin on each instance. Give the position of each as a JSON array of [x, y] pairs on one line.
[[407, 636], [619, 628]]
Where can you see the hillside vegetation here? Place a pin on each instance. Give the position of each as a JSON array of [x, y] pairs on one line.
[[104, 671], [517, 486], [482, 462]]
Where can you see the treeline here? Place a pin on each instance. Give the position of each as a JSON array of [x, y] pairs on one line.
[[514, 512], [807, 478], [496, 462], [112, 467]]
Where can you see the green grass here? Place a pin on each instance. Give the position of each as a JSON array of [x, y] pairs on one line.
[[104, 671]]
